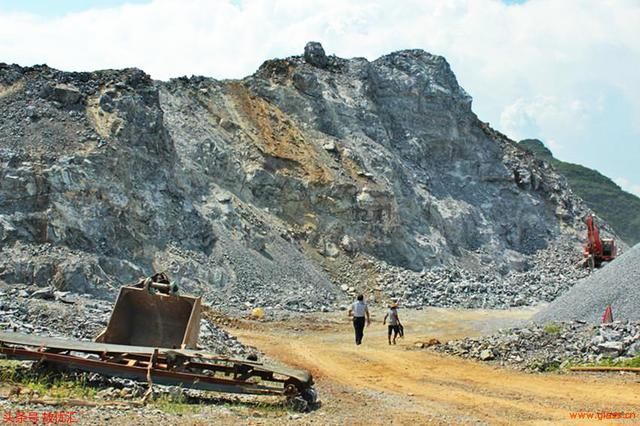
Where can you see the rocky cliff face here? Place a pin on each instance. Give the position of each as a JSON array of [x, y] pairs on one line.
[[314, 173], [616, 206]]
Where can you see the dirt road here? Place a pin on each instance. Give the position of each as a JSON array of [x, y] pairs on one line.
[[376, 383]]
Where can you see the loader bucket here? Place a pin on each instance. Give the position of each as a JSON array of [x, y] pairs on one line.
[[141, 317]]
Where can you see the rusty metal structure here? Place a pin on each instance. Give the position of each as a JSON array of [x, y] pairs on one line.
[[151, 313], [152, 337], [173, 367]]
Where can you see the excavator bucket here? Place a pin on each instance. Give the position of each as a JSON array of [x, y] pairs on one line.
[[150, 313]]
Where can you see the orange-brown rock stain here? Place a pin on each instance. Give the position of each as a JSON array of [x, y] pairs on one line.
[[276, 135]]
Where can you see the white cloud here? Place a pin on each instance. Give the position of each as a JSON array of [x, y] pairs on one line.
[[546, 117], [220, 38], [624, 183], [545, 65]]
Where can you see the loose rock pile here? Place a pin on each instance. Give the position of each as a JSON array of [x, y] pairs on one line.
[[617, 284], [539, 348], [27, 310], [544, 276]]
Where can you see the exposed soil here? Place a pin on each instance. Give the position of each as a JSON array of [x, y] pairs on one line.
[[380, 384], [376, 383]]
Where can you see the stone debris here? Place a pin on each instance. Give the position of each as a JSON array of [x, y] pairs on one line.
[[547, 274], [555, 345]]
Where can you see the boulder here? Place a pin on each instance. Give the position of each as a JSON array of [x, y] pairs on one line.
[[65, 94], [486, 355], [329, 146], [314, 55], [432, 342], [348, 244], [611, 348], [634, 349], [43, 293]]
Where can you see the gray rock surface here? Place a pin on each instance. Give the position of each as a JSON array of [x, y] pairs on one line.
[[538, 348], [274, 190], [546, 275], [617, 284], [314, 54]]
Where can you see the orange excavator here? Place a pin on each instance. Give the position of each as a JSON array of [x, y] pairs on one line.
[[597, 251]]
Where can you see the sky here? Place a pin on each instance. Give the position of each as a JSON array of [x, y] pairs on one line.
[[564, 71]]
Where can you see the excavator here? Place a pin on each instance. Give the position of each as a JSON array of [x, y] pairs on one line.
[[597, 251]]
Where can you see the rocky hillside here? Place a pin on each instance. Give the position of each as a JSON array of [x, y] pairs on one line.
[[619, 208], [309, 180]]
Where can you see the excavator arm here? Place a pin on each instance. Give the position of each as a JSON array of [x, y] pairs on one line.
[[594, 244], [596, 249]]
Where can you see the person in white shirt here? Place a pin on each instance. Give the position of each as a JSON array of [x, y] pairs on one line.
[[360, 312], [394, 322]]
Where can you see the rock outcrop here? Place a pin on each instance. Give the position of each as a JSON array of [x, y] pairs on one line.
[[258, 191]]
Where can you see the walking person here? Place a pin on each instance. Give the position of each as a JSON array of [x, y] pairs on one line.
[[394, 322], [360, 312]]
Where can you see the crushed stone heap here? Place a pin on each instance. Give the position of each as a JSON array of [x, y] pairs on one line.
[[617, 284], [543, 348]]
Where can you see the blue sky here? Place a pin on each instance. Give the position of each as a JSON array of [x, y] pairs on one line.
[[57, 8], [562, 71]]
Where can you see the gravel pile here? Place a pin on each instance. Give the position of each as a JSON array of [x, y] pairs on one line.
[[545, 276], [46, 312], [539, 348], [617, 284]]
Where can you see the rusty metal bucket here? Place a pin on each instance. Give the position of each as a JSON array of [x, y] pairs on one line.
[[150, 313]]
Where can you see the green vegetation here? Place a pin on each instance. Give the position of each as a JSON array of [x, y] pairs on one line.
[[42, 382], [545, 365], [175, 404], [608, 362], [617, 207], [552, 328]]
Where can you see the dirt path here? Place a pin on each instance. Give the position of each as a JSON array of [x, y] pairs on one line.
[[375, 383]]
